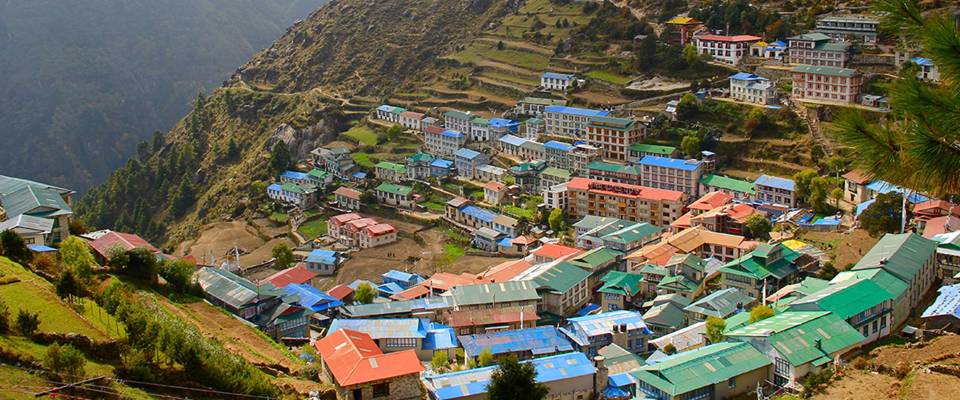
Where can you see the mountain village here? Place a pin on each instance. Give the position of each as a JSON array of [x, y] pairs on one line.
[[574, 239]]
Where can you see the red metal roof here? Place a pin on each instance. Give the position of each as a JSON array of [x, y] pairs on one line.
[[556, 251], [623, 190], [380, 229], [710, 201], [936, 207], [459, 319], [298, 274], [735, 38], [415, 292], [432, 129], [343, 218], [125, 241], [495, 186], [348, 192], [353, 359], [340, 291], [507, 270], [411, 114]]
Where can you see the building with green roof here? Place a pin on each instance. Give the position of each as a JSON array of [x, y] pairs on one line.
[[718, 371], [862, 303], [620, 234], [799, 342], [888, 283], [319, 178], [390, 172], [551, 176], [907, 256], [737, 188], [618, 288], [678, 284], [564, 288], [664, 318], [765, 270], [720, 304], [597, 262], [638, 151], [394, 195], [610, 172], [496, 295], [739, 320], [22, 197]]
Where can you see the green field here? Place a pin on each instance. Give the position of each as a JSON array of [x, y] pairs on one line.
[[362, 134], [484, 51], [518, 212], [452, 251], [517, 24], [314, 228], [363, 160], [500, 76], [608, 76]]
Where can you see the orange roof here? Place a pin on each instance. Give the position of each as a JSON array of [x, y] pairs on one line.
[[857, 176], [506, 271], [938, 225], [623, 190], [740, 212], [414, 292], [657, 253], [380, 229], [510, 315], [445, 281], [524, 240], [344, 218], [682, 222], [348, 192], [710, 201], [555, 251], [931, 207], [495, 186], [297, 274], [688, 241], [353, 358], [340, 291], [736, 38], [361, 223]]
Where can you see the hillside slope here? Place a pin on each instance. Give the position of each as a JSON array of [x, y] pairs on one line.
[[290, 92], [84, 82]]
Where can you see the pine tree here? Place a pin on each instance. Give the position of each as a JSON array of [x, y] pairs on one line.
[[280, 158]]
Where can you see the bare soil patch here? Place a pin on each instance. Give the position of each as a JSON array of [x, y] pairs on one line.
[[931, 351], [932, 385], [845, 247], [861, 385], [216, 240]]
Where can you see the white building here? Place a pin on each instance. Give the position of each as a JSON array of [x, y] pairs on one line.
[[389, 113], [776, 190], [443, 142], [411, 120], [726, 49], [752, 89], [671, 174], [556, 196], [842, 27], [457, 120], [569, 121], [556, 81]]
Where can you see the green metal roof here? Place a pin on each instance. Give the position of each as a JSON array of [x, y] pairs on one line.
[[694, 369], [318, 173], [666, 314], [677, 282], [295, 188], [611, 167], [420, 157], [653, 149], [612, 122], [831, 46], [593, 259], [688, 260], [902, 255], [757, 265], [590, 222], [844, 299], [34, 200], [480, 121], [794, 334], [556, 172], [632, 233], [615, 282], [889, 283], [562, 277], [232, 288], [456, 115], [653, 269], [739, 320], [395, 189], [728, 183], [811, 36], [720, 304], [536, 165], [824, 70], [400, 169], [494, 292], [810, 285]]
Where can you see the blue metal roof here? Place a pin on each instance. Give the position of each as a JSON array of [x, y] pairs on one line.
[[587, 309], [613, 392], [39, 248], [440, 337], [322, 257], [926, 62], [401, 276], [359, 175], [553, 144], [674, 163], [621, 380], [441, 163], [863, 206], [383, 327], [389, 288], [540, 340], [311, 297], [481, 214], [506, 242], [467, 153], [503, 123], [585, 112], [294, 175], [884, 187], [452, 133], [474, 382], [557, 75], [581, 329], [274, 187], [745, 76], [512, 140], [947, 303], [776, 182]]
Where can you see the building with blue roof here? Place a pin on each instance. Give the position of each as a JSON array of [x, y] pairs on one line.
[[503, 126], [302, 196], [467, 162], [624, 328], [389, 113], [671, 174], [398, 334], [570, 375], [481, 215], [389, 289], [556, 81], [927, 70], [296, 177], [441, 168], [404, 279], [569, 121], [944, 313], [522, 343], [878, 187], [776, 190], [323, 262], [752, 88], [443, 142], [309, 297]]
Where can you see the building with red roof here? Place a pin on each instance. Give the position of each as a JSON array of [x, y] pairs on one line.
[[710, 201], [124, 241], [341, 292], [354, 230], [298, 274], [377, 235], [726, 49], [855, 187], [657, 207], [357, 368], [506, 271], [347, 198], [468, 322], [553, 252]]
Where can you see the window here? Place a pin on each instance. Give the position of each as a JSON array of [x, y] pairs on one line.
[[357, 394], [381, 390], [732, 382]]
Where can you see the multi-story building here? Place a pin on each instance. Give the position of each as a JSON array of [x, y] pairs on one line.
[[534, 127], [480, 130], [765, 270], [563, 287], [532, 150], [490, 173], [411, 120], [635, 203], [534, 105], [752, 89], [843, 27], [347, 198], [927, 70], [581, 156], [638, 151], [909, 257], [697, 241], [722, 370], [510, 145], [569, 121], [556, 81], [948, 257], [291, 193], [552, 176], [443, 142], [610, 172], [593, 332], [390, 172], [467, 161], [457, 120], [557, 154], [556, 197], [826, 83], [502, 126], [395, 195], [817, 49], [614, 136], [493, 296], [336, 161], [390, 113], [566, 376], [418, 165], [739, 189], [776, 190], [671, 174], [726, 49]]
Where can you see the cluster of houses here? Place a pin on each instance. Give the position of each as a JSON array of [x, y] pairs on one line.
[[301, 189]]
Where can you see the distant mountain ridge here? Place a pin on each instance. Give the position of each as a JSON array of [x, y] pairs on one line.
[[84, 82]]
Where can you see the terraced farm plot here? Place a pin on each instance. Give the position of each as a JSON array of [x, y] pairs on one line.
[[363, 134], [518, 24], [479, 51], [610, 77]]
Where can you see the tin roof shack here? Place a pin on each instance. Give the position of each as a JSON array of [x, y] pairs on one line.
[[718, 371], [623, 328], [468, 322], [391, 335], [799, 343], [569, 376], [523, 343], [264, 304], [356, 368], [944, 313]]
